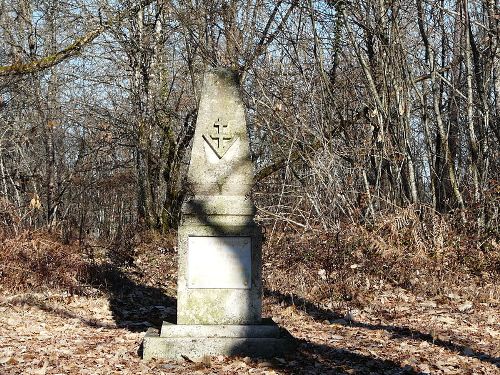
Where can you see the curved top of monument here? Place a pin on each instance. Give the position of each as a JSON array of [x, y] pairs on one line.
[[220, 162]]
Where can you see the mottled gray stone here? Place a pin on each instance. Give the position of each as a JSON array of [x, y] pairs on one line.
[[269, 329], [220, 179], [220, 104], [219, 306], [179, 348], [220, 316], [233, 205], [197, 341]]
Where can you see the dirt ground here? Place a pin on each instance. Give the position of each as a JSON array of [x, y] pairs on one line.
[[55, 333]]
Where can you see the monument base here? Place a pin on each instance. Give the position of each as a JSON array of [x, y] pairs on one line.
[[194, 342]]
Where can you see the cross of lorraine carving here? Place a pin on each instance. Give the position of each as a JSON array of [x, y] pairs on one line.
[[221, 140]]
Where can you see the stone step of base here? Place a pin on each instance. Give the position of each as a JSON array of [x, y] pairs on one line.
[[179, 348], [264, 330]]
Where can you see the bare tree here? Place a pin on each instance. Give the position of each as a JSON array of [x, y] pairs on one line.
[[354, 109]]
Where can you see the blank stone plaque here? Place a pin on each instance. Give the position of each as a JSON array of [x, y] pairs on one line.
[[219, 262]]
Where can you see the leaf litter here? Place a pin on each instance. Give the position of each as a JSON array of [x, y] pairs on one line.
[[376, 328], [54, 334]]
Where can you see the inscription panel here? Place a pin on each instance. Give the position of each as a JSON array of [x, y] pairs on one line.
[[219, 262]]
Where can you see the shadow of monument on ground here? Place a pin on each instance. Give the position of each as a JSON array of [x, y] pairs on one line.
[[319, 313], [134, 306], [137, 307], [310, 308], [312, 358], [129, 310], [57, 311]]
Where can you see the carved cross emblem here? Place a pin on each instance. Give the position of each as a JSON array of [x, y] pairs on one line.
[[221, 140]]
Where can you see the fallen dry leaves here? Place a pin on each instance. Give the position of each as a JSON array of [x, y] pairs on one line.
[[381, 329], [397, 334], [401, 335]]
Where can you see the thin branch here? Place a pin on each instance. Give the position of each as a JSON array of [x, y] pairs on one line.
[[266, 39], [67, 52]]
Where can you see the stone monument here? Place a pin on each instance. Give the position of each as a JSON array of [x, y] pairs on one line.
[[219, 293]]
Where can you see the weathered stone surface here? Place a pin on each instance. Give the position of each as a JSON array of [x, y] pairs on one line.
[[269, 330], [219, 286], [196, 342], [220, 122], [219, 305], [220, 175], [219, 205]]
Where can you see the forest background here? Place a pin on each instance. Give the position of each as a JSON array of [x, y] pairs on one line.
[[374, 129]]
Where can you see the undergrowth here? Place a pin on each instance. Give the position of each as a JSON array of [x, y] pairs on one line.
[[422, 252], [38, 260]]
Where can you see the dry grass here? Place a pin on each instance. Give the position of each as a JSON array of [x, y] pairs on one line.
[[422, 252], [398, 296], [38, 260], [427, 254]]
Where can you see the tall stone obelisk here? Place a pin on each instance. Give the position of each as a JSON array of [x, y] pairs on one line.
[[219, 294], [219, 278]]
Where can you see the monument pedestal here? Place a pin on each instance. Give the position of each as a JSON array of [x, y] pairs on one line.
[[197, 341], [219, 293], [219, 279]]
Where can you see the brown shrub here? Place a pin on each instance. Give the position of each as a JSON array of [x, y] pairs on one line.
[[421, 251], [38, 261]]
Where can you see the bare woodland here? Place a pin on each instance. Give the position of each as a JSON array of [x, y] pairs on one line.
[[354, 108], [374, 127]]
